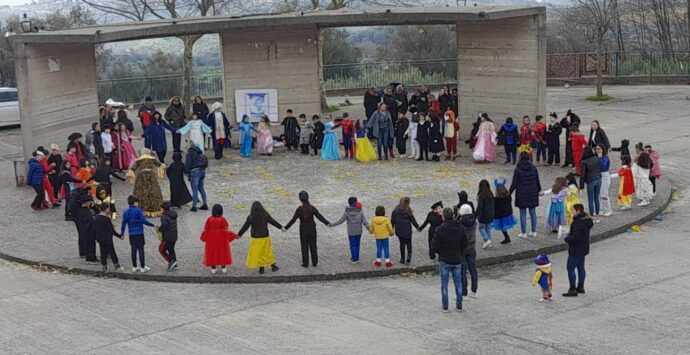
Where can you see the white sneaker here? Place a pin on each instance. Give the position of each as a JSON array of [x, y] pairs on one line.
[[608, 214], [224, 270], [487, 244], [145, 269], [135, 269], [522, 235], [597, 220], [643, 203], [625, 208], [445, 310], [473, 294], [533, 234], [213, 271]]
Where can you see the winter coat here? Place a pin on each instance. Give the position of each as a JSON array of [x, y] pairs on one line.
[[390, 101], [485, 209], [175, 115], [434, 220], [526, 185], [401, 103], [103, 230], [503, 207], [553, 134], [217, 237], [469, 222], [135, 219], [402, 223], [146, 115], [423, 132], [260, 229], [355, 220], [381, 227], [599, 138], [156, 133], [590, 171], [168, 226], [373, 124], [201, 110], [306, 215], [371, 103], [578, 237], [193, 159], [449, 242], [35, 175], [435, 137], [444, 101]]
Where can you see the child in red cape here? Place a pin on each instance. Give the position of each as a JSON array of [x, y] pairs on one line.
[[217, 237], [579, 143]]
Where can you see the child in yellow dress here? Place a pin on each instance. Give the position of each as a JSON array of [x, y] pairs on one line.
[[572, 198], [365, 150]]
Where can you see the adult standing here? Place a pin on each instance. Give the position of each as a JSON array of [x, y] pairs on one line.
[[527, 187], [105, 118], [568, 123], [220, 129], [401, 99], [122, 119], [195, 166], [578, 248], [590, 173], [553, 139], [449, 243], [146, 112], [200, 108], [423, 104], [381, 126], [291, 130], [371, 101], [598, 136], [391, 103], [454, 101], [445, 98], [155, 133], [176, 116]]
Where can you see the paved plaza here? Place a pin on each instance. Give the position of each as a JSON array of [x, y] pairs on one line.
[[635, 287]]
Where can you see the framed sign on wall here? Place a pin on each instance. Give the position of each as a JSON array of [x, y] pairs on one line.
[[256, 102]]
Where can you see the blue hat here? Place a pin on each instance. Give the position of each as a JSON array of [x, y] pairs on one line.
[[498, 182], [542, 259]]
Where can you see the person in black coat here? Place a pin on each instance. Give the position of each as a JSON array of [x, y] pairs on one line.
[[463, 199], [485, 212], [124, 120], [104, 232], [444, 99], [291, 130], [401, 100], [317, 137], [371, 101], [598, 136], [569, 122], [433, 219], [553, 140], [179, 194], [450, 242], [402, 220], [590, 173], [578, 248], [168, 229], [435, 137], [200, 108], [400, 128], [526, 186], [83, 219], [423, 137], [307, 229], [103, 174]]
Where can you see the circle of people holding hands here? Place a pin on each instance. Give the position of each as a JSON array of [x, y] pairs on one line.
[[82, 179]]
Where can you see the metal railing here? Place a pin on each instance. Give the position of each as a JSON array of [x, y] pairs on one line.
[[160, 88], [410, 72], [618, 64]]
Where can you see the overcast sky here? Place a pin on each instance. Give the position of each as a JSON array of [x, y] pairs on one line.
[[14, 2]]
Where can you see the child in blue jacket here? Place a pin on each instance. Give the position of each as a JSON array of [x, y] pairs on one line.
[[34, 178], [544, 277], [134, 218], [508, 136]]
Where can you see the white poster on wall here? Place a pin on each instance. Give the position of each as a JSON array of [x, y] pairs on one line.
[[255, 103]]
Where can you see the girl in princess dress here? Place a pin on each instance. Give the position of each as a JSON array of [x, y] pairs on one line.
[[196, 129], [246, 129], [264, 139], [330, 150], [626, 187], [365, 150], [485, 150], [556, 215], [643, 185], [572, 198], [124, 154]]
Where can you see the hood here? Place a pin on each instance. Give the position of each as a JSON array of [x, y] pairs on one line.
[[34, 161], [468, 220], [509, 127], [525, 165], [379, 220], [352, 211], [586, 220], [625, 143], [194, 149], [170, 214]]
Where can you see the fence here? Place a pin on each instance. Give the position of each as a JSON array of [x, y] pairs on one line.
[[414, 72]]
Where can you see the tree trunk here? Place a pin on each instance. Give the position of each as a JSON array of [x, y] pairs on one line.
[[688, 27], [600, 54], [187, 67], [322, 89]]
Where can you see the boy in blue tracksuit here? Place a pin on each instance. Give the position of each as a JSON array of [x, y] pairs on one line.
[[134, 218], [34, 178]]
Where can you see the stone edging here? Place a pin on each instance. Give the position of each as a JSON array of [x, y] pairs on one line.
[[335, 276]]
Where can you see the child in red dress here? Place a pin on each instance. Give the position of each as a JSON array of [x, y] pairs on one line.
[[217, 236], [578, 142]]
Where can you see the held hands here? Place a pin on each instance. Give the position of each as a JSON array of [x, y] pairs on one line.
[[283, 230]]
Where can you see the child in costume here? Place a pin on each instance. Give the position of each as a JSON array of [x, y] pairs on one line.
[[411, 133], [104, 232], [107, 141], [144, 174], [423, 137], [572, 198], [305, 132], [348, 135], [401, 127], [624, 148], [365, 150], [355, 220], [55, 158], [86, 175], [260, 252], [307, 228], [124, 154], [246, 140], [196, 129], [133, 217], [604, 167], [168, 235], [103, 174], [556, 215], [403, 220], [643, 185], [316, 140], [526, 136], [626, 187], [264, 139], [179, 193], [220, 130], [509, 137], [102, 196], [485, 149], [655, 170], [291, 130], [217, 237], [382, 229], [433, 219], [330, 150], [544, 277], [451, 134], [553, 140], [503, 210], [578, 143], [540, 138]]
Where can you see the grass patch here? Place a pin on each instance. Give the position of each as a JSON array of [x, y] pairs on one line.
[[602, 98], [332, 108]]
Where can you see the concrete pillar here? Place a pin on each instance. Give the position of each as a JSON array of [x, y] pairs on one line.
[[502, 67], [57, 92], [285, 59]]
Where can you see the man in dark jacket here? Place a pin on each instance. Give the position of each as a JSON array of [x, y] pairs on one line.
[[168, 229], [83, 219], [578, 248], [176, 117], [104, 232], [553, 139], [371, 101], [449, 243], [469, 256], [195, 166]]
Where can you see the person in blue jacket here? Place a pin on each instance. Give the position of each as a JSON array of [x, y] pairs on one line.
[[508, 136], [34, 178], [156, 134], [134, 218]]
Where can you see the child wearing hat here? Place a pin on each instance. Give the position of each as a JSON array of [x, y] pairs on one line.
[[382, 229], [433, 219], [307, 228], [355, 220], [543, 277]]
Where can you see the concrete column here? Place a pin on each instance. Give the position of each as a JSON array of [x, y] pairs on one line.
[[502, 67], [57, 92], [285, 59]]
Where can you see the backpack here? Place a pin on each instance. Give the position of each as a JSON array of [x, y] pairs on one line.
[[202, 161]]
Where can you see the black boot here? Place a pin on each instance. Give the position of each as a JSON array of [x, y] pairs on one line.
[[506, 240], [571, 293], [261, 270], [274, 267], [580, 289]]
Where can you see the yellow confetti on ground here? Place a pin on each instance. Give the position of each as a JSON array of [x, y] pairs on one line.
[[465, 184], [240, 206], [280, 192]]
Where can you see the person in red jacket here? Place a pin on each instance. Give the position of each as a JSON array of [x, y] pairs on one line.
[[578, 142], [540, 138], [217, 236], [526, 137], [47, 185], [348, 135]]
